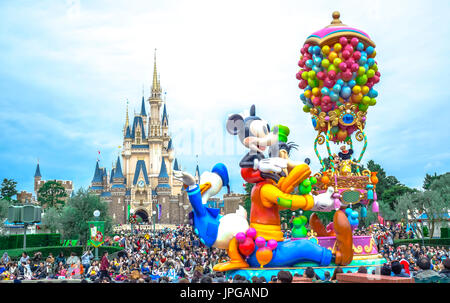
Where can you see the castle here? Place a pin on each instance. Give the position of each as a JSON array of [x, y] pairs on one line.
[[142, 182]]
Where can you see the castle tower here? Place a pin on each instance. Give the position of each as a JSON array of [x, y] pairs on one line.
[[37, 178], [117, 209]]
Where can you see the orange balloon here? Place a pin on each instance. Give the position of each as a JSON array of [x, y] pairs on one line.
[[264, 255]]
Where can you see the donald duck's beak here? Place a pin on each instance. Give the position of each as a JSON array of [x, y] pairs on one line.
[[204, 187]]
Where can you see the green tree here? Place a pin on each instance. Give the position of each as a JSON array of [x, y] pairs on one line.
[[51, 194], [8, 189], [51, 219], [428, 180], [391, 194], [248, 198], [384, 181], [78, 210]]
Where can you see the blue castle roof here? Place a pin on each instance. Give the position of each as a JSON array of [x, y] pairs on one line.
[[98, 175], [175, 165], [38, 171], [164, 116], [128, 133], [105, 194], [170, 145], [118, 170], [143, 113], [140, 166], [163, 172], [138, 120]]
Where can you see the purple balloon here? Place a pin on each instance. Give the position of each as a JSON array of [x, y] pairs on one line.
[[272, 244], [251, 233], [240, 237], [260, 242]]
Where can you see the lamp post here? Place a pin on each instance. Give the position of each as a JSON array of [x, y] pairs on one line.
[[154, 219]]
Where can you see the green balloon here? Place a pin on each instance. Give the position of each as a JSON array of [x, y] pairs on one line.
[[363, 107], [305, 75], [313, 82], [313, 180], [361, 71], [372, 101], [366, 100], [332, 67], [375, 67], [306, 109], [370, 73], [361, 80], [311, 74]]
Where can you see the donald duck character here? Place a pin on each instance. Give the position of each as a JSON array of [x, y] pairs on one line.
[[213, 229]]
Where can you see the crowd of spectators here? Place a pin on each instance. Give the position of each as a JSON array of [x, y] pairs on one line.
[[175, 255]]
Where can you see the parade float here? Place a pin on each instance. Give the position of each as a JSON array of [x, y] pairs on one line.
[[338, 74]]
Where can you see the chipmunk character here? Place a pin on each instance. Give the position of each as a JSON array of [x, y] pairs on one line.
[[273, 192]]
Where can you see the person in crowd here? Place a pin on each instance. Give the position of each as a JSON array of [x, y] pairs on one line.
[[425, 270]]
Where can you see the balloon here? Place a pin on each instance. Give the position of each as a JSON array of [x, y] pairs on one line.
[[306, 109], [325, 91], [332, 56], [325, 63], [247, 247], [302, 84], [366, 100], [354, 41], [360, 46], [363, 107], [337, 88], [361, 71], [356, 55], [343, 41], [341, 135], [364, 90], [251, 232], [346, 92], [332, 75], [264, 255], [240, 237], [272, 244], [373, 93], [334, 96], [326, 50], [369, 50], [360, 80], [260, 242]]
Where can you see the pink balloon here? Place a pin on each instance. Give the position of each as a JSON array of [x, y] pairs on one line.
[[298, 76], [355, 67], [357, 55], [251, 232], [376, 79], [349, 48], [347, 75], [346, 54], [302, 84], [342, 66], [240, 237], [328, 83], [343, 41], [326, 99], [320, 75], [316, 101], [260, 242], [354, 41], [332, 74], [272, 244], [377, 74]]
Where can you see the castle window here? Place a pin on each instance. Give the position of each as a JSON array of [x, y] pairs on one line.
[[141, 202]]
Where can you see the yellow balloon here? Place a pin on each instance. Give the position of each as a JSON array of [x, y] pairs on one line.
[[357, 98], [315, 91], [356, 89], [326, 50], [332, 56], [337, 47], [365, 90], [307, 94]]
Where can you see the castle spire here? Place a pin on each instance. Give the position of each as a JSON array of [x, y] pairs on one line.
[[37, 174], [143, 112], [156, 88], [127, 121], [118, 169]]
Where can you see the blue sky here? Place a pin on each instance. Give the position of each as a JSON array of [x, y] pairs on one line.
[[68, 67]]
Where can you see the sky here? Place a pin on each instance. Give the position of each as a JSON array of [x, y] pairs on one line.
[[67, 69]]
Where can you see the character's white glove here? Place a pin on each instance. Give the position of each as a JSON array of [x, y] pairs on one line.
[[184, 177], [324, 202], [269, 165]]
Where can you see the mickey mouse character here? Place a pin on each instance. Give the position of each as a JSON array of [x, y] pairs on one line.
[[254, 133]]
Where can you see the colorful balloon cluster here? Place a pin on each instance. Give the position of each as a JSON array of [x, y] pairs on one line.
[[248, 241], [335, 75]]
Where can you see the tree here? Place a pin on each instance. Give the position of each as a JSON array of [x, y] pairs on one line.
[[428, 180], [51, 194], [51, 219], [391, 194], [78, 211], [8, 189], [384, 181], [248, 198]]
